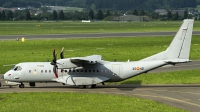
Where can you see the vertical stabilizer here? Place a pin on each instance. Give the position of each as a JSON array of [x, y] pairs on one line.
[[180, 46]]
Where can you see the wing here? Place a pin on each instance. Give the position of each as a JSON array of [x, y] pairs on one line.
[[88, 60], [78, 61]]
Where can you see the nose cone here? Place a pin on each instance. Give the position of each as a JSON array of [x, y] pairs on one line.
[[7, 75]]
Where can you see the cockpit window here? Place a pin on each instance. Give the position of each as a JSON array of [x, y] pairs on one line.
[[17, 68]]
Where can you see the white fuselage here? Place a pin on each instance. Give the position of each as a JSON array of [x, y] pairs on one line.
[[111, 71]]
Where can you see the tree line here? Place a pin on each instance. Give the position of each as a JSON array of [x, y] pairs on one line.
[[60, 15], [106, 15], [141, 4], [121, 5]]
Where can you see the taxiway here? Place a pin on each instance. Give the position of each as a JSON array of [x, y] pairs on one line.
[[96, 35]]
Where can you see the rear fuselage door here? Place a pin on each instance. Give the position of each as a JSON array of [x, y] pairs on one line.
[[116, 69]]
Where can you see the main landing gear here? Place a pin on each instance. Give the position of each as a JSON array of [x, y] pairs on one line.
[[32, 84], [87, 86], [21, 85]]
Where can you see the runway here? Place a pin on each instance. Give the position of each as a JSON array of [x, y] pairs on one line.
[[98, 35]]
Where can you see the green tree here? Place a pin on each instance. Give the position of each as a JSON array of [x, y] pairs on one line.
[[199, 17], [100, 15], [55, 15], [28, 15], [9, 15], [154, 15], [3, 15], [135, 12], [195, 18], [61, 15], [175, 16], [185, 14], [108, 13], [91, 14], [0, 15], [169, 14], [142, 13]]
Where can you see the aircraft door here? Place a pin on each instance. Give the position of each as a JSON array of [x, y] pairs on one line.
[[116, 69]]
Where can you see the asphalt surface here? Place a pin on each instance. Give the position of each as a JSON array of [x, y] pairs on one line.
[[99, 35], [181, 96]]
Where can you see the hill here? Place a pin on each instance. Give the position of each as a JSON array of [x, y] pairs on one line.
[[122, 5]]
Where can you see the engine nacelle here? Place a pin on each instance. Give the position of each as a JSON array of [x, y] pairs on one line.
[[65, 64]]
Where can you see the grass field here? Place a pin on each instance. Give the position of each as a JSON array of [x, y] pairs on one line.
[[78, 102], [64, 27]]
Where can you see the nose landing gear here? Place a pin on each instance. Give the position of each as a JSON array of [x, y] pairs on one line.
[[21, 85]]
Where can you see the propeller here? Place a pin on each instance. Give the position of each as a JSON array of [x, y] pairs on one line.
[[54, 63]]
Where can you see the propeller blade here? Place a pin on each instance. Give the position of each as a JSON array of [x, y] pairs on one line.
[[62, 53], [54, 55], [55, 70]]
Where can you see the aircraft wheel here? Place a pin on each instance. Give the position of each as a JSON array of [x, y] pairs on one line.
[[32, 84], [89, 86], [93, 85], [21, 86], [82, 86]]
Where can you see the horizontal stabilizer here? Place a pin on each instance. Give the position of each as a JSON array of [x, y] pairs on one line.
[[177, 61]]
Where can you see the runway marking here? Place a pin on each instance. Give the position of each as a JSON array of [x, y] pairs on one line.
[[168, 98], [117, 93], [178, 91], [186, 99], [186, 65]]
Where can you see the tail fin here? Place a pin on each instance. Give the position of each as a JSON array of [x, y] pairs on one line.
[[179, 48]]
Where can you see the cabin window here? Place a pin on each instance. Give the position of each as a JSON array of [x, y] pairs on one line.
[[77, 71], [85, 70], [17, 68], [29, 71], [49, 71], [97, 70], [45, 71], [74, 70], [41, 71], [89, 70], [93, 70], [69, 70], [81, 71], [65, 71]]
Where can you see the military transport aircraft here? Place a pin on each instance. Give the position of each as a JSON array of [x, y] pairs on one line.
[[87, 72]]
